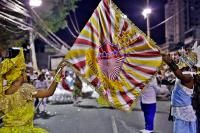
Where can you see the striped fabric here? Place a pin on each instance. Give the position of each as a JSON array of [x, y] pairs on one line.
[[114, 56]]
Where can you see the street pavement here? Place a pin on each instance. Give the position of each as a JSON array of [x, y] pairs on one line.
[[89, 118]]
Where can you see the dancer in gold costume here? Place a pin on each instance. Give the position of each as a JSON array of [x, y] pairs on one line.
[[16, 96]]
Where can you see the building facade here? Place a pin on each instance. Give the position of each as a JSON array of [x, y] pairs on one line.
[[183, 25]]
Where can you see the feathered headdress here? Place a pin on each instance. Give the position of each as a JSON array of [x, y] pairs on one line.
[[196, 49], [189, 60]]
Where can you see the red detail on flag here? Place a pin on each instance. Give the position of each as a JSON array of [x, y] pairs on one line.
[[144, 70], [80, 65], [106, 2], [108, 51], [97, 13], [125, 26], [145, 54], [138, 40], [128, 100], [95, 81], [85, 42], [133, 81], [108, 16], [93, 30], [110, 60], [65, 85]]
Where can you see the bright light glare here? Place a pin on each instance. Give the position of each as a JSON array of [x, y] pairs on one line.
[[35, 3], [146, 12], [125, 16]]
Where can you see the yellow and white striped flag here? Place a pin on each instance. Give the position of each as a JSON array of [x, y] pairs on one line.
[[114, 56]]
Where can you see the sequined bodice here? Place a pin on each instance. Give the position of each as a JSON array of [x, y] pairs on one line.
[[18, 107]]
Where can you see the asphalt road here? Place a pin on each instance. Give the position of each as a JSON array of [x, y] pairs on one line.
[[88, 118]]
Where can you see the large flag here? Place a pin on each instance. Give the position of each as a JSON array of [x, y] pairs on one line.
[[115, 56]]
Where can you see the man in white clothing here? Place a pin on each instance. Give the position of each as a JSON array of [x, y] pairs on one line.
[[148, 105]]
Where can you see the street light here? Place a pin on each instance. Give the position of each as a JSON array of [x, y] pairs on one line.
[[146, 13], [33, 3]]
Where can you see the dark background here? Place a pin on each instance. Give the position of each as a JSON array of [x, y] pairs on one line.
[[132, 8]]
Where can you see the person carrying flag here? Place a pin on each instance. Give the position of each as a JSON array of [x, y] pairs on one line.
[[181, 100]]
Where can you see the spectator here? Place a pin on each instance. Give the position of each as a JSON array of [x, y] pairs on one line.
[[162, 91], [148, 105], [41, 83], [77, 91]]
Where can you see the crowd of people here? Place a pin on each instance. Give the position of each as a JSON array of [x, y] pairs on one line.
[[68, 90], [177, 80]]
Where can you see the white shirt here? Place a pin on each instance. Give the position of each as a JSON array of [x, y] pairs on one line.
[[148, 95], [41, 84], [33, 77]]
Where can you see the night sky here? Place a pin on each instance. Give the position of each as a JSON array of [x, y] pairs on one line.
[[132, 8]]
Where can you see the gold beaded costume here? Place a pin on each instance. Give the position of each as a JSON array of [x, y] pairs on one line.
[[18, 108]]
